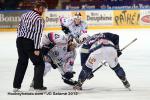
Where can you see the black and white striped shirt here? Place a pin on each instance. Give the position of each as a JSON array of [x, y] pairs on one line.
[[31, 27]]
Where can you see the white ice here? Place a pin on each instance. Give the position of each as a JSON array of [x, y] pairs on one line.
[[104, 86]]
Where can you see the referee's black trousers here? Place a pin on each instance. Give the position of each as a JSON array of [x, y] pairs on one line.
[[25, 48]]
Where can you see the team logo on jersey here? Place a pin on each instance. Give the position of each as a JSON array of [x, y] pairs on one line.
[[64, 48], [57, 36], [91, 60]]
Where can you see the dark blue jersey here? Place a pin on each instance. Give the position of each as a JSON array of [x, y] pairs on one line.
[[114, 38]]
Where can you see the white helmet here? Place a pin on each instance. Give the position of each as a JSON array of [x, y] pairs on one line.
[[83, 37]]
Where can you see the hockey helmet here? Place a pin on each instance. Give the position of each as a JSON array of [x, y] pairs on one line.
[[77, 15]]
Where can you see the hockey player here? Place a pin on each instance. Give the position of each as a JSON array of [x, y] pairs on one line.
[[59, 53], [73, 27], [96, 49]]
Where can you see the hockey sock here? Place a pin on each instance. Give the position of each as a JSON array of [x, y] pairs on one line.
[[85, 72], [120, 72]]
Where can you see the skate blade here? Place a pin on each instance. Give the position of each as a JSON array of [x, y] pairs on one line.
[[31, 89], [129, 88], [77, 88]]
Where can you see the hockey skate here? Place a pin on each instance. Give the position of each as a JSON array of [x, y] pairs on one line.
[[78, 86], [16, 90], [126, 84], [31, 86]]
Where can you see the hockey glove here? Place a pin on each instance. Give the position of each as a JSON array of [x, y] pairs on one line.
[[119, 53], [53, 65], [90, 76], [69, 81], [68, 75], [65, 29], [44, 50], [51, 45]]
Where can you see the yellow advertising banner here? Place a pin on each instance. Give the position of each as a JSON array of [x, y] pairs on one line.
[[126, 17]]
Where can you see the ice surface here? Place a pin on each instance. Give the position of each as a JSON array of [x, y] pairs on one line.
[[104, 86]]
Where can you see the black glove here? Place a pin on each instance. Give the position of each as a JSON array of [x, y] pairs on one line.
[[68, 75], [51, 45], [119, 53], [44, 50], [69, 81], [53, 65], [65, 29], [90, 76]]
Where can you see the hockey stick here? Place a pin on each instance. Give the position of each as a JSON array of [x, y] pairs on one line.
[[128, 44], [56, 62], [104, 63], [120, 50]]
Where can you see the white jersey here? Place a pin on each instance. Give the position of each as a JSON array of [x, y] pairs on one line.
[[64, 59], [75, 30], [59, 51], [54, 38], [104, 53]]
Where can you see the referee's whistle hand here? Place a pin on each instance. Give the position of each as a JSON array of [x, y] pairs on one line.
[[37, 52]]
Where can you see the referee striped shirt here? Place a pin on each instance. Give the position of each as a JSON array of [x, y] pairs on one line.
[[31, 27]]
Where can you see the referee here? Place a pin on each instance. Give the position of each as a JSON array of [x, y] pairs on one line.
[[29, 34]]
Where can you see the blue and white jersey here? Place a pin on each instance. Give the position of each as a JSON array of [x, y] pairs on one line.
[[98, 39]]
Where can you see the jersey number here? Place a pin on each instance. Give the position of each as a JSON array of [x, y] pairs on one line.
[[91, 60]]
